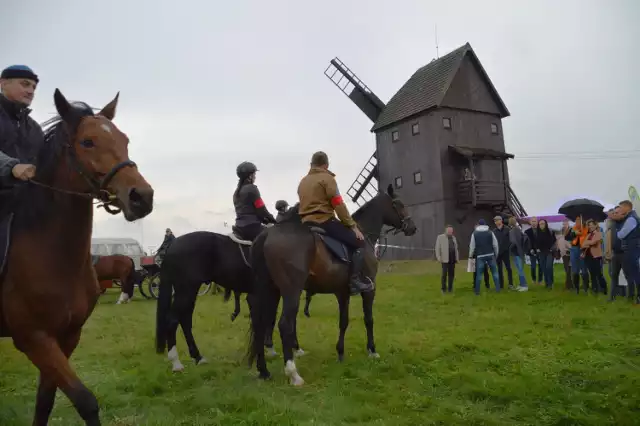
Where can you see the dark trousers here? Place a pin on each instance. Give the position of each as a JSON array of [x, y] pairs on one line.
[[566, 262], [335, 229], [504, 259], [615, 268], [535, 266], [249, 232], [448, 271], [486, 278], [631, 270], [594, 266]]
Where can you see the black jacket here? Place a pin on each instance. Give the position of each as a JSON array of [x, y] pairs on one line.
[[545, 240], [502, 235], [250, 208]]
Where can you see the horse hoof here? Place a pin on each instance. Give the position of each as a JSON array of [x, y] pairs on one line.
[[374, 355], [297, 381], [233, 317], [201, 361], [307, 314], [178, 368], [298, 353], [340, 357], [265, 376]]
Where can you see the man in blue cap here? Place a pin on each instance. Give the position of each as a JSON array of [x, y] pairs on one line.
[[20, 136]]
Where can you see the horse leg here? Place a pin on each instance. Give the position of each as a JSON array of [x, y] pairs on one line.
[[51, 358], [268, 336], [236, 311], [367, 309], [186, 322], [298, 351], [290, 307], [172, 333], [343, 305], [307, 303]]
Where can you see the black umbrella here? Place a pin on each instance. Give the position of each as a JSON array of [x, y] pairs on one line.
[[588, 209]]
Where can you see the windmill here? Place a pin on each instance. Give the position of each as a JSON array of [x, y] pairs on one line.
[[365, 186]]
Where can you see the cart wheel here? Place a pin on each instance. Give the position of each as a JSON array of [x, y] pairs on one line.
[[141, 285], [204, 289], [154, 285]]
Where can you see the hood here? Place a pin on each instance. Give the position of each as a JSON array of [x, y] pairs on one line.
[[482, 228]]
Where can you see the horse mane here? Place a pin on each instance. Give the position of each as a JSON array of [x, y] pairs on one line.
[[32, 204], [357, 215]]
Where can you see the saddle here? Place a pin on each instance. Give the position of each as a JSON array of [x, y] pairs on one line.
[[335, 247], [242, 244]]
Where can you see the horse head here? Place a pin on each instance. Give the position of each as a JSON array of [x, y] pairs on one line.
[[97, 153], [394, 213]]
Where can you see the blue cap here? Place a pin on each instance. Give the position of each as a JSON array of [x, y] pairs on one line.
[[482, 222], [19, 71]]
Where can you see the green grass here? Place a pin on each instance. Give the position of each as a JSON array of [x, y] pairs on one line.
[[536, 358]]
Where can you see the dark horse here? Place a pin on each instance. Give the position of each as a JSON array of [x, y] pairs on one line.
[[46, 302], [291, 257], [192, 259], [118, 267]]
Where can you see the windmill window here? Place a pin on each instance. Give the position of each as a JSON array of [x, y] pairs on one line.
[[398, 182], [415, 129], [494, 129], [417, 178], [446, 123], [395, 136]]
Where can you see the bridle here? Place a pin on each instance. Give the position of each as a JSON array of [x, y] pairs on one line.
[[404, 224], [98, 187]]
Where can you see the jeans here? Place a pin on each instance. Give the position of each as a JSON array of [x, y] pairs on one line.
[[335, 229], [448, 271], [546, 264], [615, 268], [535, 265], [566, 262], [598, 283], [518, 261], [481, 264], [503, 258]]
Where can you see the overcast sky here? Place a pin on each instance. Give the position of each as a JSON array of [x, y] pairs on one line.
[[206, 84]]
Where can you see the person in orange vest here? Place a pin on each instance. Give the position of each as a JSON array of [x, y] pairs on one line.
[[577, 236]]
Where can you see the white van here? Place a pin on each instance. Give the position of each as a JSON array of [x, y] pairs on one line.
[[126, 246]]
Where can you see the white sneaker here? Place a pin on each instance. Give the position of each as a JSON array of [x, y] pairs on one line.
[[521, 289]]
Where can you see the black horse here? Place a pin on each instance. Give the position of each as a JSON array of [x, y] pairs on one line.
[[192, 259], [291, 257]]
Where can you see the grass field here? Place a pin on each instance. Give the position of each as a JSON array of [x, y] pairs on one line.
[[536, 358]]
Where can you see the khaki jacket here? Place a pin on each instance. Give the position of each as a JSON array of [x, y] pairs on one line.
[[593, 244], [320, 199], [442, 248]]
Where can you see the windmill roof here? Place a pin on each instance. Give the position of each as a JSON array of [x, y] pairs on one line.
[[427, 87]]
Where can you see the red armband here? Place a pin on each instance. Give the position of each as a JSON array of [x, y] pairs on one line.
[[258, 203], [336, 201]]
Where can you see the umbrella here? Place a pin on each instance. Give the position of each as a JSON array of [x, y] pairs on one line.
[[588, 209]]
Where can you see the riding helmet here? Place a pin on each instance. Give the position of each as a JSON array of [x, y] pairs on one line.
[[281, 205], [245, 168]]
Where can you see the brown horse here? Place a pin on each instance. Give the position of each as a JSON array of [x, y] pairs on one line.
[[118, 267], [291, 257], [45, 302]]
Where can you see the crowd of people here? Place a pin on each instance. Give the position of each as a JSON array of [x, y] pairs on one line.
[[584, 248]]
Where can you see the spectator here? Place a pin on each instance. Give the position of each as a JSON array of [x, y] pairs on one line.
[[168, 239], [629, 235], [485, 274], [564, 247], [484, 247], [592, 254], [613, 252], [517, 243], [532, 250], [281, 207], [448, 255], [502, 235], [576, 236], [545, 242]]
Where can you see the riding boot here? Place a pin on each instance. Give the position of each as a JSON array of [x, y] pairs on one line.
[[356, 283]]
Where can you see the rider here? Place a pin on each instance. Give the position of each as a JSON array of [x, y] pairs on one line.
[[251, 211], [281, 207], [21, 137], [320, 200]]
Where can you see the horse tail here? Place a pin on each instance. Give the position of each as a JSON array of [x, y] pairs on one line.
[[257, 299], [163, 307]]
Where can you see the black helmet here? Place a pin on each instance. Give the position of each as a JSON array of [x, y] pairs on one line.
[[281, 205], [245, 168]]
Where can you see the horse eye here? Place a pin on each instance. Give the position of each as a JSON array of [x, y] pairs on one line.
[[87, 143]]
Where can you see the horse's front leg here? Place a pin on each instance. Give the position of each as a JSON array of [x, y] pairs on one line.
[[307, 303], [367, 309], [236, 311], [343, 305]]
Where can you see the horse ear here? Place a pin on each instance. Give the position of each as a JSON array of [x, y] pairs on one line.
[[390, 191], [109, 111], [63, 106]]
